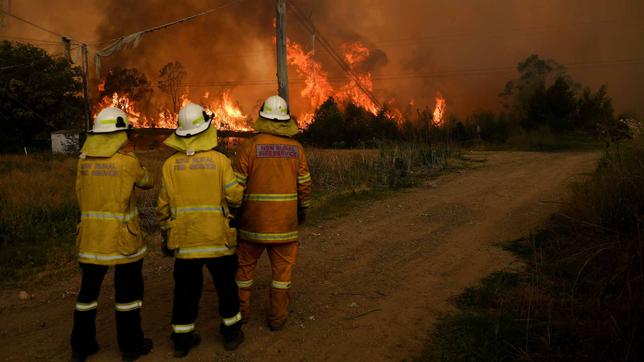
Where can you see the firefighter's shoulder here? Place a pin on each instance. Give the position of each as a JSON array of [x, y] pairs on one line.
[[128, 157]]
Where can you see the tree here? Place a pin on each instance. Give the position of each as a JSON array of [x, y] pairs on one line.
[[38, 94], [492, 129], [595, 110], [170, 79], [531, 98], [561, 106], [327, 128], [129, 81]]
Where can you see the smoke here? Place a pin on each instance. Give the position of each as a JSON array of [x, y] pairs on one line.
[[231, 45], [465, 50]]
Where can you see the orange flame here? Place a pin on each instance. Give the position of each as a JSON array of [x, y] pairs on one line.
[[438, 117], [228, 114], [317, 87]]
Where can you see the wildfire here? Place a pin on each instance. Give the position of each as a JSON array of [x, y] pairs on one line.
[[438, 117], [317, 87], [128, 106], [228, 114]]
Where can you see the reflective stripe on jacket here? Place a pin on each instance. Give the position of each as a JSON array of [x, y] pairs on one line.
[[109, 233], [277, 181], [195, 194]]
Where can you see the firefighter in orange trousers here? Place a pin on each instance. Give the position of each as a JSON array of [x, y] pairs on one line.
[[273, 169], [109, 235], [198, 188]]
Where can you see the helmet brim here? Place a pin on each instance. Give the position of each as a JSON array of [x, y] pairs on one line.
[[274, 117], [192, 132], [91, 131]]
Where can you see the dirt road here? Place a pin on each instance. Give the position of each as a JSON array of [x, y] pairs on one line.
[[367, 286]]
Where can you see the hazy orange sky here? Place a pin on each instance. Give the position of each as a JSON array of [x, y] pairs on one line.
[[465, 49]]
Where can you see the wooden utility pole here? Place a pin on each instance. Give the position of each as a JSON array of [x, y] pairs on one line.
[[282, 65], [88, 115], [67, 45], [5, 7]]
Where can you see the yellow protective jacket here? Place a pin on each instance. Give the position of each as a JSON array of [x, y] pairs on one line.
[[109, 233], [277, 181], [196, 192]]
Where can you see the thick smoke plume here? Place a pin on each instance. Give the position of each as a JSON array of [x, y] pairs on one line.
[[465, 50]]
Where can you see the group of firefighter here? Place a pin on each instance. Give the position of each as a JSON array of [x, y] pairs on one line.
[[212, 213]]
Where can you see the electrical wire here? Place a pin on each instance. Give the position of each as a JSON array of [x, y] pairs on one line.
[[31, 40], [338, 59], [178, 21], [16, 66], [32, 24], [437, 74]]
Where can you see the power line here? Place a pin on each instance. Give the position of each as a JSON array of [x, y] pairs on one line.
[[16, 66], [133, 39], [436, 74], [32, 24], [338, 59], [31, 40], [178, 21]]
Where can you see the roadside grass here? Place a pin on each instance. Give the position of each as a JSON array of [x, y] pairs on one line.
[[543, 141], [547, 141], [39, 213], [581, 294], [344, 179]]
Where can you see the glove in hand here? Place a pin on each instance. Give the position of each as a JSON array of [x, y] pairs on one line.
[[164, 245]]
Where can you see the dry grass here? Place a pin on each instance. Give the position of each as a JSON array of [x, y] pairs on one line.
[[39, 213], [394, 166], [581, 296]]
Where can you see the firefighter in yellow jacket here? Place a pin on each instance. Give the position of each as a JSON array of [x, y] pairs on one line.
[[198, 188], [109, 235], [274, 171]]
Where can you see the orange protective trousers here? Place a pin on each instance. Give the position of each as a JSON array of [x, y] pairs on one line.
[[282, 258]]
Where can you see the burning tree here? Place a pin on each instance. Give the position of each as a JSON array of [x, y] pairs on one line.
[[170, 79], [128, 81]]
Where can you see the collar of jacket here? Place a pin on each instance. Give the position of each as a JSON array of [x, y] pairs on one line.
[[204, 141], [103, 144], [277, 128]]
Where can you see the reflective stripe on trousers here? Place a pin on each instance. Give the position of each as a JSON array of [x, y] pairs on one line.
[[84, 307], [232, 320], [248, 235], [183, 328], [244, 283], [126, 307], [270, 197], [280, 285]]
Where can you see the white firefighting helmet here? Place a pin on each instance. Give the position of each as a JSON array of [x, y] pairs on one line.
[[110, 119], [193, 120], [275, 109]]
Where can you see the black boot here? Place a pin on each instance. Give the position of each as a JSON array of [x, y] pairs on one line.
[[142, 350], [81, 356], [184, 344], [233, 340]]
